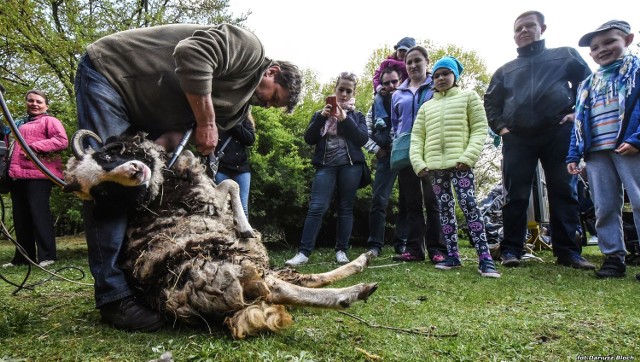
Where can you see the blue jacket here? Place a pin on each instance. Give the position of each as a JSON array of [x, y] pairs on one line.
[[353, 129], [629, 129], [405, 105]]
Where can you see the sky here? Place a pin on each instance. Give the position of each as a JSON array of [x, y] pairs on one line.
[[331, 36]]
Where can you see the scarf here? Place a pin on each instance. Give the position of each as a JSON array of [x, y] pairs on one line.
[[331, 126], [614, 80]]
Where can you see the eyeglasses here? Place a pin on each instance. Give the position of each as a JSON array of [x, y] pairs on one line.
[[393, 81], [442, 74]]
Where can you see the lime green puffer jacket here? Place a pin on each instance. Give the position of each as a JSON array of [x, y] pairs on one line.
[[449, 128]]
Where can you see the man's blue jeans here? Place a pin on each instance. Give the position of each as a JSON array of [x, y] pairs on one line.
[[382, 188], [102, 110], [327, 178]]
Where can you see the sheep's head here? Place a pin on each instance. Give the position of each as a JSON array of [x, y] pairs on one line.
[[125, 169]]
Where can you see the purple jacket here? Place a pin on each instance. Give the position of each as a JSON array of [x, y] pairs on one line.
[[44, 134], [405, 105], [391, 61]]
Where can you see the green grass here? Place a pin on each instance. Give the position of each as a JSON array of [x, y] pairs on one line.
[[538, 312]]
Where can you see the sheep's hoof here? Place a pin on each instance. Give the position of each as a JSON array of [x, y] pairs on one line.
[[248, 234], [367, 290]]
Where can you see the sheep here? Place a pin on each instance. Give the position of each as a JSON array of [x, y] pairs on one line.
[[191, 252]]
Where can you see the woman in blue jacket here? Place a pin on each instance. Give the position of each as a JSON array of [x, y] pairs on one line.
[[339, 162]]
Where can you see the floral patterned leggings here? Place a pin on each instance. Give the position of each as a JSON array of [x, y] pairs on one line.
[[463, 183]]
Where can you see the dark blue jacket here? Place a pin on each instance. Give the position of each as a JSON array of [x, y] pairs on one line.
[[536, 90], [353, 129], [236, 155]]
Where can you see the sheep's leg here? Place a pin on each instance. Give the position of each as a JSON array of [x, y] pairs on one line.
[[320, 280], [231, 188], [289, 294]]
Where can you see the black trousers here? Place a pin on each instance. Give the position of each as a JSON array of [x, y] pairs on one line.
[[419, 197], [521, 154], [32, 220]]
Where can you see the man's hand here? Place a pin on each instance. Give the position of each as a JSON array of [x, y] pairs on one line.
[[206, 136], [504, 131], [381, 153], [568, 118]]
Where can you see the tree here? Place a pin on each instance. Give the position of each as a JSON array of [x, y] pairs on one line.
[[42, 41]]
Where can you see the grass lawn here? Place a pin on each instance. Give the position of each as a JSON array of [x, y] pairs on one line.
[[537, 312]]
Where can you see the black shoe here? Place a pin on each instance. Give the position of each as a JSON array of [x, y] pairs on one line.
[[509, 260], [575, 261], [399, 247], [129, 315], [638, 276], [612, 267]]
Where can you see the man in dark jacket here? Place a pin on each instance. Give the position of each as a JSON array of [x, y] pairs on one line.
[[530, 104], [163, 80]]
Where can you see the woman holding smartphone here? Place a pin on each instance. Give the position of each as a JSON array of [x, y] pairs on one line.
[[338, 133]]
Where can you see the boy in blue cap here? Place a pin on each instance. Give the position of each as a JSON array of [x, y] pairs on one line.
[[607, 136]]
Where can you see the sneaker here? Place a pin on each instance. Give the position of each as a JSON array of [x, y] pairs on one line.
[[487, 268], [46, 263], [129, 315], [449, 262], [407, 257], [8, 265], [612, 267], [593, 240], [509, 260], [341, 257], [299, 259], [375, 252], [575, 261], [437, 258]]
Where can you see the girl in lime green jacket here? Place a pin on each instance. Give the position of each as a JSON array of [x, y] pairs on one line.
[[446, 141]]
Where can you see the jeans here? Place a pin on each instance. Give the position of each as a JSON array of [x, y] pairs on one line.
[[102, 110], [243, 180], [381, 192], [33, 220], [520, 159], [609, 175], [346, 178], [419, 196]]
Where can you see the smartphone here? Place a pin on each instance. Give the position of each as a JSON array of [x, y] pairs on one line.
[[333, 101]]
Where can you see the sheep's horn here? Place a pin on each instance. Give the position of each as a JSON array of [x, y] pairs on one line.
[[77, 142]]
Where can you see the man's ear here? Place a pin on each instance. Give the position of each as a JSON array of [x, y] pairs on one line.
[[543, 28], [272, 71], [628, 39]]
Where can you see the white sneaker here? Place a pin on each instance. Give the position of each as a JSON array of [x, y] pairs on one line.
[[341, 257], [46, 263], [593, 240], [299, 259], [8, 265]]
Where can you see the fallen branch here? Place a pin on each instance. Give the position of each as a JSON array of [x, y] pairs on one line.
[[421, 331]]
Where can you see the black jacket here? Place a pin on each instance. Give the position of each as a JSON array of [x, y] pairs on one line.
[[353, 129], [533, 92], [236, 155]]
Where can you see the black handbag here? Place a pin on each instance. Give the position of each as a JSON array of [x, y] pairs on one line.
[[365, 179]]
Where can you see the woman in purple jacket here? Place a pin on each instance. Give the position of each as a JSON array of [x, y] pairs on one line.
[[31, 189], [405, 102]]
